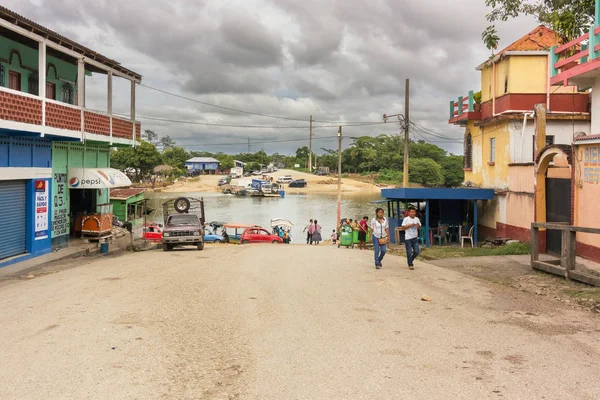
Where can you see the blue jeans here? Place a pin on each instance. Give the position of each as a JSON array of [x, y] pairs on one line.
[[380, 250], [412, 249]]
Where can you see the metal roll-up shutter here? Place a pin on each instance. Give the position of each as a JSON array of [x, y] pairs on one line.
[[13, 218]]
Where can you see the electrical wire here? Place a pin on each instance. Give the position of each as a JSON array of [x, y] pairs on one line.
[[259, 142], [357, 123]]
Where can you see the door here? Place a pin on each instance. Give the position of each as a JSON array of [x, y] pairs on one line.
[[13, 218], [264, 236], [50, 91], [558, 209], [14, 80]]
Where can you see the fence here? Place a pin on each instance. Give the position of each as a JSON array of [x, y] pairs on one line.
[[565, 266]]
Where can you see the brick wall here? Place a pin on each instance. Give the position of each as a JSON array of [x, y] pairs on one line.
[[122, 129], [59, 116], [20, 108], [97, 123]]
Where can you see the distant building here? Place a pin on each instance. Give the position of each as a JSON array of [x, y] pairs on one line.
[[202, 165], [239, 164]]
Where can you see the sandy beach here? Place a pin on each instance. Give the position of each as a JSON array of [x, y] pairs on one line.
[[316, 184]]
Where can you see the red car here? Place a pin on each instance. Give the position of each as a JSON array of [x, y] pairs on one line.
[[256, 234]]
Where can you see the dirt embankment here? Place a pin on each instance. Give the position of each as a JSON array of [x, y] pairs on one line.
[[316, 184]]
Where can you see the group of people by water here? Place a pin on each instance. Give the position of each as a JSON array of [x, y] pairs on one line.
[[313, 232]]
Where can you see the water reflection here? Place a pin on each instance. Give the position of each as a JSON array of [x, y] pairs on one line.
[[260, 210]]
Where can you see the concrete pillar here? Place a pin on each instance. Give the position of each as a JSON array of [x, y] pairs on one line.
[[596, 108]]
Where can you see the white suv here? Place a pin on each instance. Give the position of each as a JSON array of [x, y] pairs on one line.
[[285, 179]]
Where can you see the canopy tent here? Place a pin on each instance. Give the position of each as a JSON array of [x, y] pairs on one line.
[[97, 178], [281, 222]]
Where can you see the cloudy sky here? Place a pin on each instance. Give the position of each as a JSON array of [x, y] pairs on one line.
[[339, 60]]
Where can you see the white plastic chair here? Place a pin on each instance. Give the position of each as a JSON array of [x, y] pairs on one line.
[[470, 237]]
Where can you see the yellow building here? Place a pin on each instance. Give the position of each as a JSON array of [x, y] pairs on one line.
[[499, 130]]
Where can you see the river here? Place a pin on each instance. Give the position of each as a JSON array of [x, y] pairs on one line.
[[299, 209]]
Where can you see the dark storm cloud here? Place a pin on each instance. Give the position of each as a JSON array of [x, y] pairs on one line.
[[338, 60]]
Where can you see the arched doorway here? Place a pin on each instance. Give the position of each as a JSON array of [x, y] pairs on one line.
[[553, 191]]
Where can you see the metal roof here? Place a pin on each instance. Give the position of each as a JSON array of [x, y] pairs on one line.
[[438, 194], [124, 194], [38, 29], [202, 160]]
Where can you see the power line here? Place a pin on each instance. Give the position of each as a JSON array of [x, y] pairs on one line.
[[260, 142], [248, 112]]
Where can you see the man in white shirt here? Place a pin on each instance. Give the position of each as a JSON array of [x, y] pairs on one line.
[[411, 225]]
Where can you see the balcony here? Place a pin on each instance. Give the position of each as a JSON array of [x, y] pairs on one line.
[[576, 63], [25, 112], [465, 109], [44, 83]]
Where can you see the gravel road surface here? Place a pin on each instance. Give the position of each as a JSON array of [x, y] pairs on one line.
[[286, 322]]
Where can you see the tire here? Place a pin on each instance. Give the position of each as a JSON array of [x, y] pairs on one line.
[[217, 241], [245, 242], [167, 247], [201, 246], [275, 242], [181, 205]]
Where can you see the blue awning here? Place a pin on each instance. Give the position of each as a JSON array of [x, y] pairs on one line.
[[437, 194]]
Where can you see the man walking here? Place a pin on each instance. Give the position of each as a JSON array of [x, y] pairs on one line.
[[309, 231], [411, 225]]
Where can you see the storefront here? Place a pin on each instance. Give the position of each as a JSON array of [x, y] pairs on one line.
[[81, 183], [129, 205], [25, 190]]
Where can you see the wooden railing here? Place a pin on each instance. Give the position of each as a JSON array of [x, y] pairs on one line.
[[565, 266], [464, 103]]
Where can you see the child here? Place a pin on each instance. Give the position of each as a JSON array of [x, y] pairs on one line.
[[334, 237]]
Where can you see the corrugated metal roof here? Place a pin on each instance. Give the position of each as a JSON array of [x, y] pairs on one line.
[[49, 34], [124, 194], [202, 160]]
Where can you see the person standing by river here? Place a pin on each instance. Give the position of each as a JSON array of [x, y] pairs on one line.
[[316, 236], [381, 233], [309, 231], [363, 229], [411, 225]]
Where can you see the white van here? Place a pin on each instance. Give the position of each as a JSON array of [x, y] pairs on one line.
[[285, 179]]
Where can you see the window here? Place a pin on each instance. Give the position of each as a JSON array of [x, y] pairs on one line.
[[14, 80], [2, 75], [468, 151], [506, 85], [50, 91], [492, 150], [67, 93], [33, 84], [549, 140]]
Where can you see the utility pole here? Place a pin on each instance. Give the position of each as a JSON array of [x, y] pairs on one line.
[[310, 146], [406, 125], [248, 145], [403, 122], [339, 185]]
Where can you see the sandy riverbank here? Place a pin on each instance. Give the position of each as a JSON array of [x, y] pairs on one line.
[[316, 184]]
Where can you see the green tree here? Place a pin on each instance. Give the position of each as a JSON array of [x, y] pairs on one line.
[[425, 150], [175, 157], [225, 160], [151, 137], [425, 171], [569, 18], [452, 169], [166, 142], [141, 159]]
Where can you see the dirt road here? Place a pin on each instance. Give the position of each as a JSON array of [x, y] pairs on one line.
[[316, 184], [286, 322]]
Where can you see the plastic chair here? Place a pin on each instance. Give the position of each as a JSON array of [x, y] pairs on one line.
[[422, 236], [441, 234], [469, 237]]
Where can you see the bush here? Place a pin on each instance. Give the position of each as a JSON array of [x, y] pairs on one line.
[[389, 176], [425, 171]]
